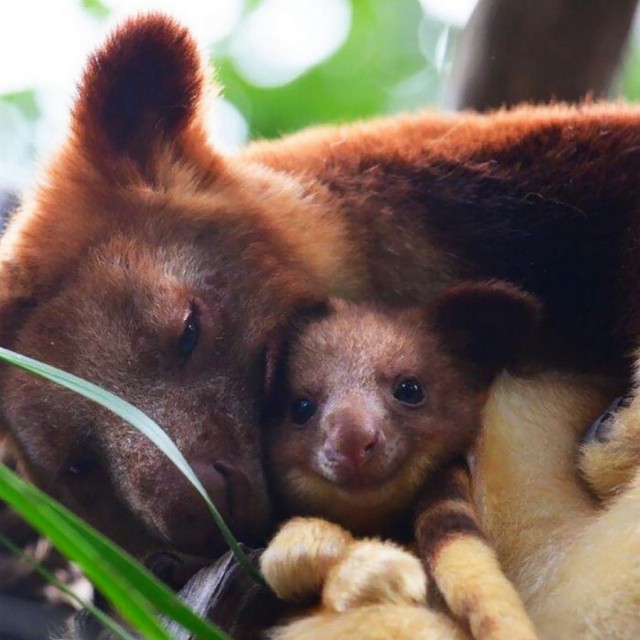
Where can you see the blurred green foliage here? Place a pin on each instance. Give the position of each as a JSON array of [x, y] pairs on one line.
[[96, 8], [24, 101], [381, 68], [380, 52], [631, 74], [395, 58]]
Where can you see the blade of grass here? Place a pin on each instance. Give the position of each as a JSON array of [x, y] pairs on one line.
[[144, 424], [157, 592], [107, 621], [131, 587], [35, 507]]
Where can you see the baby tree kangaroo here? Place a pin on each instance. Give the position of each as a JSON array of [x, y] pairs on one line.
[[380, 406]]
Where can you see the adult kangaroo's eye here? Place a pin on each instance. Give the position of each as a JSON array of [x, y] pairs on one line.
[[302, 410], [82, 465], [409, 391], [190, 334]]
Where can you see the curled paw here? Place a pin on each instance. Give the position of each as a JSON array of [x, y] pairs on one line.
[[375, 572], [300, 556]]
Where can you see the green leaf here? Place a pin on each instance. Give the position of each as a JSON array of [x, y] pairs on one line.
[[631, 75], [144, 424], [107, 621], [133, 590], [96, 9], [26, 102]]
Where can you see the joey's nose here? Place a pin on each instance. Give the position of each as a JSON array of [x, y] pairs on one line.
[[351, 441]]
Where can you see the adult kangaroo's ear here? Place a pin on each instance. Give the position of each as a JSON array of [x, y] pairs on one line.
[[279, 339], [141, 96], [487, 324]]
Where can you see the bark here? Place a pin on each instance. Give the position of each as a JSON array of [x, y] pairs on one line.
[[539, 50]]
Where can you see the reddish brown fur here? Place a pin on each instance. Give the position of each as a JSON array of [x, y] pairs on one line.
[[348, 363], [156, 70], [136, 217]]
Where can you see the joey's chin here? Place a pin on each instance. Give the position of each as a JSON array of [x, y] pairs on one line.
[[359, 479], [361, 482], [357, 489]]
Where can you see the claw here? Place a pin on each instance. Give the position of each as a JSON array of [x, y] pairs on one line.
[[600, 428]]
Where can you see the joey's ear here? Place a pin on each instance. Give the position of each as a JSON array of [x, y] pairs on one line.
[[141, 92], [486, 324]]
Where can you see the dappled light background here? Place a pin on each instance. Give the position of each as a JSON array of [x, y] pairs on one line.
[[283, 64]]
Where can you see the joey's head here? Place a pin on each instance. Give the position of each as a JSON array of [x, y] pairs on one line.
[[150, 264], [374, 399]]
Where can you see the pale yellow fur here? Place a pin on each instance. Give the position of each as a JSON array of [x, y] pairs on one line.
[[371, 590], [310, 557], [469, 576], [610, 466], [576, 565]]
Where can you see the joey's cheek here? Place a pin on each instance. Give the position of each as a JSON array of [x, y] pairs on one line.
[[393, 455], [291, 448]]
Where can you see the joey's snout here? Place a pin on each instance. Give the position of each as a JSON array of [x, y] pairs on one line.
[[183, 518], [352, 441]]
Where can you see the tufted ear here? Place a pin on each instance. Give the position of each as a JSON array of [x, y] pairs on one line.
[[277, 348], [486, 324], [137, 120], [142, 93]]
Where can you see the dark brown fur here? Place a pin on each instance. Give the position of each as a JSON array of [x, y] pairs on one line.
[[137, 219], [444, 511]]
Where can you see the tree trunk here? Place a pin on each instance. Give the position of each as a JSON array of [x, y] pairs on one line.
[[539, 50]]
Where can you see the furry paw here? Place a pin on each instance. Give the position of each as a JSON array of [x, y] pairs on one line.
[[374, 572], [609, 457], [300, 556]]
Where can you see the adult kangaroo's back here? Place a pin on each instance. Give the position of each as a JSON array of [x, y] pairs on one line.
[[147, 262], [547, 197]]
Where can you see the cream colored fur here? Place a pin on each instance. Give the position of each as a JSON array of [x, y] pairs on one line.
[[471, 581], [369, 590], [576, 565], [356, 579]]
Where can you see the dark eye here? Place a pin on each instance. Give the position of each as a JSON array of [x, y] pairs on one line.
[[409, 391], [82, 467], [190, 335], [302, 410]]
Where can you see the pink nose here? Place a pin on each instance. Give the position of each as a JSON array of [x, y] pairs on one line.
[[351, 441]]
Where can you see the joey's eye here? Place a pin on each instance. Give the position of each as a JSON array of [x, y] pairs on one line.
[[302, 410], [409, 391], [190, 335]]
